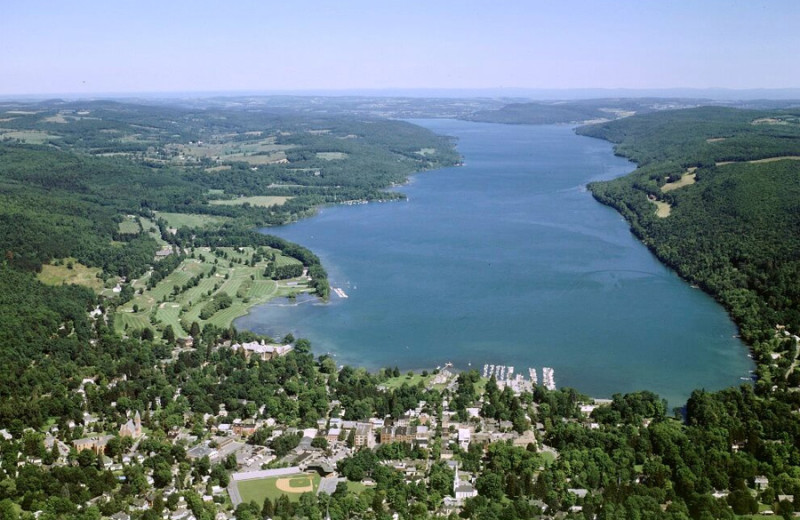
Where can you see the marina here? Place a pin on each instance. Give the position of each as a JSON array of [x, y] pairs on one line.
[[504, 375]]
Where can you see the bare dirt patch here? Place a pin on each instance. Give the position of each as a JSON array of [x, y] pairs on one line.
[[774, 159], [769, 121], [58, 118], [215, 169], [663, 210], [295, 484]]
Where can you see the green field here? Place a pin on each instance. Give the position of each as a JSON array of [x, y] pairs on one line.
[[258, 489], [355, 487], [190, 220], [27, 136], [413, 380], [78, 275], [150, 227], [129, 226], [331, 156], [263, 201], [170, 302]]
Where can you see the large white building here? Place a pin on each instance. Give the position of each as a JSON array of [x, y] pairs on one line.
[[262, 350]]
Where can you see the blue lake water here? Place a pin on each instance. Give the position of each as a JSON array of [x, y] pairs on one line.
[[509, 260]]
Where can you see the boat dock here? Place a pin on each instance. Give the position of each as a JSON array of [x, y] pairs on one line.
[[504, 375]]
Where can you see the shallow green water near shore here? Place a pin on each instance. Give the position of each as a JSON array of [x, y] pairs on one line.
[[509, 260]]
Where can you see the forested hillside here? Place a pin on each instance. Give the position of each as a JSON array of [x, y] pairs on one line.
[[577, 111], [97, 189], [717, 197]]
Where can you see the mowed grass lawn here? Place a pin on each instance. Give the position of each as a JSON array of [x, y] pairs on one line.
[[171, 302], [258, 489], [413, 380]]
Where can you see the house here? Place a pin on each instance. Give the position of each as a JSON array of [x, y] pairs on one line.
[[187, 342], [464, 438], [244, 429], [578, 492], [262, 350], [526, 438]]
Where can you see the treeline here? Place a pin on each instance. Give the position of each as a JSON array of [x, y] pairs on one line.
[[575, 111]]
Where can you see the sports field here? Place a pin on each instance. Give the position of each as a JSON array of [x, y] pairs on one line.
[[273, 487]]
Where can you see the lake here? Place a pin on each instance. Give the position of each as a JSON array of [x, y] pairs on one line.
[[508, 260]]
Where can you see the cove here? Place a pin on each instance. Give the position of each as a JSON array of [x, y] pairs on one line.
[[508, 260]]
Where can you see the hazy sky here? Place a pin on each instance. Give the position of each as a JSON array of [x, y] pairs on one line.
[[174, 45]]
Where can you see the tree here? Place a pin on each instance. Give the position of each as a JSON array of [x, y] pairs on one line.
[[147, 334], [169, 335], [320, 443]]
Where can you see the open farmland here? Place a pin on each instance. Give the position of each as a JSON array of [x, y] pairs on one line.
[[264, 201]]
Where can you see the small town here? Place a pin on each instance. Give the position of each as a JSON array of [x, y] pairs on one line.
[[226, 461]]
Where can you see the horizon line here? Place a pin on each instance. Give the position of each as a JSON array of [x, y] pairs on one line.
[[495, 92]]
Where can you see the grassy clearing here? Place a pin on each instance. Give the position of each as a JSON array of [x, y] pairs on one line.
[[331, 156], [216, 169], [78, 275], [689, 177], [663, 210], [259, 489], [191, 220], [547, 456], [27, 136], [766, 160], [413, 380], [173, 302], [263, 201], [129, 226], [150, 227], [355, 487], [58, 118]]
